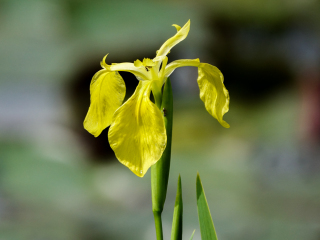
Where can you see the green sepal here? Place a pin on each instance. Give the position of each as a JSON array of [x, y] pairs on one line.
[[176, 233], [205, 220]]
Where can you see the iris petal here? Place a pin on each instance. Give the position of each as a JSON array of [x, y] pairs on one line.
[[171, 42], [177, 27], [137, 63], [148, 62], [137, 134], [213, 92], [180, 63], [140, 72], [107, 90]]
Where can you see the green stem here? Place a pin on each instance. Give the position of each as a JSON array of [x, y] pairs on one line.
[[160, 170], [158, 224]]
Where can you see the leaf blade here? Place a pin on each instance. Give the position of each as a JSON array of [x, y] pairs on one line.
[[207, 229], [176, 233], [192, 234]]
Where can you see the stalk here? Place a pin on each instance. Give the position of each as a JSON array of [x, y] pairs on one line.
[[160, 170]]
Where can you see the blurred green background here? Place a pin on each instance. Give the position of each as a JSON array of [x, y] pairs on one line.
[[261, 176]]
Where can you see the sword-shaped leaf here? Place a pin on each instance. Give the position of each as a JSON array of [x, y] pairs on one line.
[[205, 220]]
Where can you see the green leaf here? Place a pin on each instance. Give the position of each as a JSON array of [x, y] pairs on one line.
[[176, 233], [192, 235], [205, 220]]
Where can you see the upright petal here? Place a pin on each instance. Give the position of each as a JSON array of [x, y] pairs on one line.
[[213, 92], [107, 90], [177, 27], [137, 134], [171, 42]]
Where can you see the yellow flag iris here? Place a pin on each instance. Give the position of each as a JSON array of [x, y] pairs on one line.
[[137, 133]]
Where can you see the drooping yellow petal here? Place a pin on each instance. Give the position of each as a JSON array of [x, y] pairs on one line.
[[107, 91], [171, 42], [213, 92], [137, 134]]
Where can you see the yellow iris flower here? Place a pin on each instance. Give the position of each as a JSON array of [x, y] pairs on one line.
[[137, 133]]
